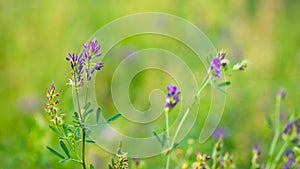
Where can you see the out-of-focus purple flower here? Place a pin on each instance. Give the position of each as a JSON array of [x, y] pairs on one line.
[[281, 94], [218, 133], [218, 63], [289, 152], [256, 149], [290, 163], [172, 98], [91, 49], [292, 132], [289, 127]]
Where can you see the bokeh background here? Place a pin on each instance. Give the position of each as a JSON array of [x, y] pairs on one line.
[[37, 35]]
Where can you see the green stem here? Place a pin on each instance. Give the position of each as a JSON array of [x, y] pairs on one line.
[[77, 97], [181, 121], [82, 125], [188, 110], [83, 148], [277, 133], [168, 137], [279, 155]]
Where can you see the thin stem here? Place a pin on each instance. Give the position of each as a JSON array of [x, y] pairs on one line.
[[181, 122], [77, 97], [277, 133], [82, 125], [279, 155], [83, 148], [168, 137], [188, 110]]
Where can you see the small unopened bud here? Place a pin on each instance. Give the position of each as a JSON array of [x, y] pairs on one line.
[[281, 94], [241, 66]]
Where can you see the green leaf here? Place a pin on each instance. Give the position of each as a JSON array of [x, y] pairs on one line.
[[90, 141], [92, 166], [224, 84], [221, 90], [113, 118], [55, 152], [98, 113], [66, 128], [56, 131], [78, 132], [157, 137], [64, 160], [87, 113], [164, 139], [64, 147], [88, 133], [175, 145], [87, 106], [269, 121]]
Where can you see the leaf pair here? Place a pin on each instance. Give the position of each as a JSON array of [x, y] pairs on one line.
[[56, 153]]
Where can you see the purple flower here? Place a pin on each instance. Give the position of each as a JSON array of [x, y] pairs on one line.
[[256, 149], [99, 65], [289, 127], [172, 98], [81, 64], [281, 94], [291, 159], [91, 49], [218, 63], [218, 133], [77, 63]]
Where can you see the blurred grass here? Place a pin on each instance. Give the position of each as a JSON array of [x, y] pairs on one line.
[[36, 36]]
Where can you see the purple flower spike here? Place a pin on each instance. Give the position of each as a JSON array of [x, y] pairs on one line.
[[91, 49], [172, 98], [217, 64]]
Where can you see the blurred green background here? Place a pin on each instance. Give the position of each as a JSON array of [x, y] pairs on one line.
[[36, 36]]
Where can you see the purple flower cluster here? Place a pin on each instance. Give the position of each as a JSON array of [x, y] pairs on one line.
[[292, 132], [217, 64], [82, 63], [291, 159], [172, 98], [289, 127]]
